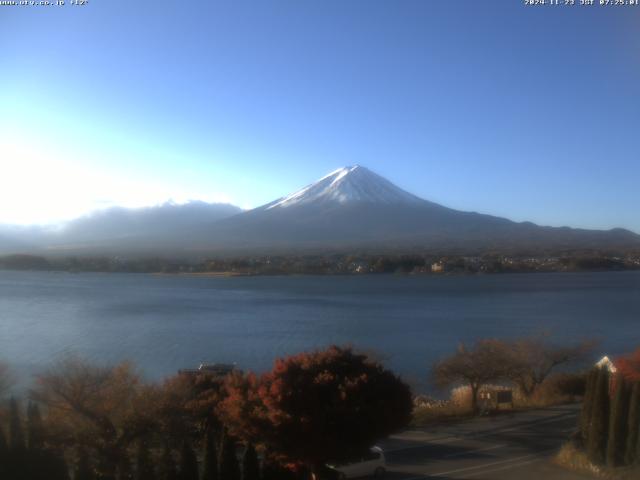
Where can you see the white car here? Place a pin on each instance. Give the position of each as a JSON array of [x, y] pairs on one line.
[[373, 464]]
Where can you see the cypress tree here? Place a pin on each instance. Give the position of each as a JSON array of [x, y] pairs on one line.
[[210, 471], [83, 470], [168, 469], [270, 471], [4, 448], [587, 404], [41, 464], [274, 471], [618, 424], [4, 455], [16, 435], [597, 445], [633, 426], [16, 464], [56, 466], [188, 463], [124, 469], [637, 462], [144, 466], [229, 467], [250, 464], [35, 430]]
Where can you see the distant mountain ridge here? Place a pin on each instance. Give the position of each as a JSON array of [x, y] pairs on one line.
[[155, 230], [350, 208], [168, 219]]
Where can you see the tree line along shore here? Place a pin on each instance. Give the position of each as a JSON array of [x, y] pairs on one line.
[[336, 264]]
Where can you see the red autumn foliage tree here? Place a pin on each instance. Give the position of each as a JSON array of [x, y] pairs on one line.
[[629, 366], [186, 404], [242, 411], [312, 408]]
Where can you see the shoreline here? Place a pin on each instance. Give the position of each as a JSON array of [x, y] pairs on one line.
[[225, 274], [195, 274]]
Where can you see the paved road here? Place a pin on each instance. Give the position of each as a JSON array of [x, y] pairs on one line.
[[511, 446]]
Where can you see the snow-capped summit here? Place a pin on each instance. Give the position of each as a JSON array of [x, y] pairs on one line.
[[353, 184]]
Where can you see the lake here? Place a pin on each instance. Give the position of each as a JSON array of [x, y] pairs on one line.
[[164, 323]]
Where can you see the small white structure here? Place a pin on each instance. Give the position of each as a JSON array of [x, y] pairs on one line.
[[437, 267], [605, 362], [219, 370], [373, 464]]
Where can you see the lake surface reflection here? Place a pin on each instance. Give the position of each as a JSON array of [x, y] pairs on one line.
[[164, 323]]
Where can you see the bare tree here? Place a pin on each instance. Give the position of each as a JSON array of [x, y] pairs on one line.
[[483, 363], [105, 408], [530, 361]]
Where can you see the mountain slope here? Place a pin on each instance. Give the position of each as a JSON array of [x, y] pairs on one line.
[[354, 207]]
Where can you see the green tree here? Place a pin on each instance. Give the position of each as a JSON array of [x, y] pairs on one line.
[[229, 468], [250, 464], [188, 462], [618, 424], [596, 447], [210, 470], [633, 426]]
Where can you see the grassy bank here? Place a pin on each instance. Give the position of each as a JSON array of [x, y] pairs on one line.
[[575, 459]]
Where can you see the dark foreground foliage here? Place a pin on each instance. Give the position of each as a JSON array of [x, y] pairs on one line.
[[610, 420], [90, 422]]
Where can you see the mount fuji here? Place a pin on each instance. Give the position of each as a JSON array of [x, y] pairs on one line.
[[353, 207]]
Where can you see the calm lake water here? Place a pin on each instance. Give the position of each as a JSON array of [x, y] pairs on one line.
[[164, 323]]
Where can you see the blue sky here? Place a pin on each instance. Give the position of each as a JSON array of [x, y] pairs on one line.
[[532, 113]]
